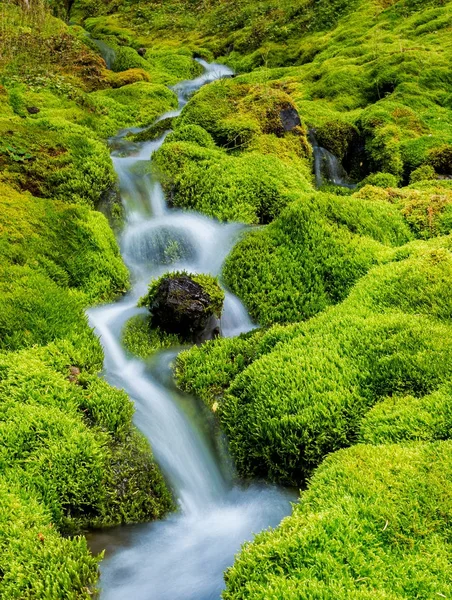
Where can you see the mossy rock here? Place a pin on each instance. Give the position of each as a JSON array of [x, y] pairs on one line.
[[185, 305], [441, 159], [153, 132], [338, 137], [423, 173]]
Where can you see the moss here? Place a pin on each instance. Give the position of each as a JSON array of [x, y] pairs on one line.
[[141, 340], [288, 396], [310, 257], [153, 132], [137, 104], [192, 133], [136, 490], [441, 159], [423, 173], [251, 188], [128, 77], [52, 159], [338, 137], [402, 419], [111, 476], [383, 180], [128, 58], [212, 288], [426, 210], [73, 246], [372, 524], [36, 561]]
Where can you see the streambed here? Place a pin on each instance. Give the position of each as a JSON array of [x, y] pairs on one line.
[[184, 556]]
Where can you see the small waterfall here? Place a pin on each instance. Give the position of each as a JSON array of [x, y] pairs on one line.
[[184, 556], [106, 51], [327, 167]]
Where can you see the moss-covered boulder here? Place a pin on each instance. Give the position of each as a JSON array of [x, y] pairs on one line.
[[187, 305], [372, 525]]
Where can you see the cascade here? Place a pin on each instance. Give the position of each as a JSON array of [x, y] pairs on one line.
[[182, 557]]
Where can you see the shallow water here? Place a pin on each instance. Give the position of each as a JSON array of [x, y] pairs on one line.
[[182, 557]]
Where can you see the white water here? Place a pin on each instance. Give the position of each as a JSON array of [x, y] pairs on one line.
[[327, 166], [184, 556]]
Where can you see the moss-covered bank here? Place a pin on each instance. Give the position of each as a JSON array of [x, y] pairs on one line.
[[70, 457]]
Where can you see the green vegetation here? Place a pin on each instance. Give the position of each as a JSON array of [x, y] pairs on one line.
[[143, 340], [230, 155], [67, 443], [289, 396], [373, 524], [353, 287], [70, 456], [311, 256]]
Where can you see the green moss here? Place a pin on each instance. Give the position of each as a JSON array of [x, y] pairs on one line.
[[192, 133], [128, 58], [338, 137], [69, 437], [441, 159], [73, 246], [137, 104], [383, 180], [373, 524], [423, 173], [426, 210], [310, 256], [141, 340], [36, 561], [402, 419], [207, 371], [250, 188], [212, 288], [153, 132], [53, 159], [288, 396]]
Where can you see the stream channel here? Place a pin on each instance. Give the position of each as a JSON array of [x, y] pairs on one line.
[[184, 556]]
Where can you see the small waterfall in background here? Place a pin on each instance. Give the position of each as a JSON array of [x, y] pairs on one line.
[[106, 51], [327, 167], [184, 556]]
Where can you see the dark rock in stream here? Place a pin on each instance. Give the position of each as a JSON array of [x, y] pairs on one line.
[[180, 305]]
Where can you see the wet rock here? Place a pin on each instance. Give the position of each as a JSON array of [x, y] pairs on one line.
[[290, 119], [33, 110], [141, 51], [181, 305], [153, 132]]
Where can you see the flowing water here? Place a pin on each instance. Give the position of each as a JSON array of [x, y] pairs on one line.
[[327, 167], [182, 557]]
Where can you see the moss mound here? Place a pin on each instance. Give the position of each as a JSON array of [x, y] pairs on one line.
[[310, 257], [372, 524], [289, 396]]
